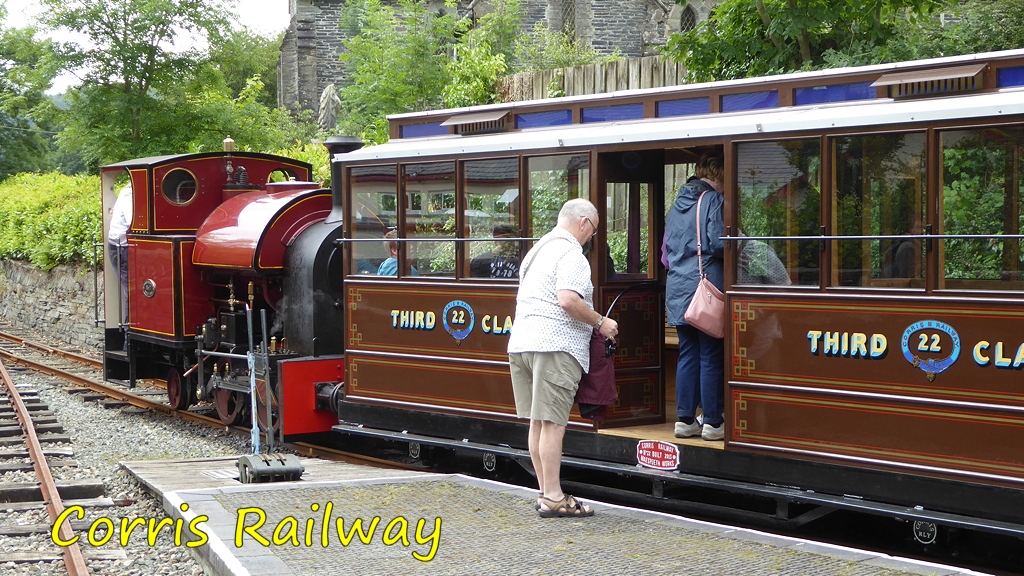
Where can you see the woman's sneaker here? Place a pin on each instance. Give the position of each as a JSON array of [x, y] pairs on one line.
[[713, 432], [684, 430]]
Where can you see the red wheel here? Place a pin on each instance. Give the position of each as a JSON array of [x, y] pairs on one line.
[[179, 395], [261, 407], [230, 405]]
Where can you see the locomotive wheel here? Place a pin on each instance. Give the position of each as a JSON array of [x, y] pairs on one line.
[[261, 408], [179, 393], [230, 405]]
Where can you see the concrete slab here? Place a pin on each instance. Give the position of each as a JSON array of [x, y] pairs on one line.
[[418, 523]]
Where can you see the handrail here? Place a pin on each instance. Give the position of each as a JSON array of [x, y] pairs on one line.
[[883, 237], [340, 241]]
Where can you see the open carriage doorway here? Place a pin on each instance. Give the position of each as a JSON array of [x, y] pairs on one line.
[[636, 190]]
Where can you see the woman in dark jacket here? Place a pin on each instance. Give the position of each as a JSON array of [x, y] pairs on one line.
[[700, 371]]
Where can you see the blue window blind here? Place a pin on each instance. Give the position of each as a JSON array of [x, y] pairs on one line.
[[750, 101], [684, 107], [836, 93], [539, 119], [421, 130], [1011, 76], [611, 113]]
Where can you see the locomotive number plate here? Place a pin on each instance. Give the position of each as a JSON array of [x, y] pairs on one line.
[[657, 454]]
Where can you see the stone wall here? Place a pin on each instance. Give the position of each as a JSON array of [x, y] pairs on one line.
[[58, 304]]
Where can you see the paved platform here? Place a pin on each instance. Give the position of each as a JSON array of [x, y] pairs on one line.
[[419, 523]]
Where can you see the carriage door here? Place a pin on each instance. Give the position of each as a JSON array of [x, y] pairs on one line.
[[629, 191]]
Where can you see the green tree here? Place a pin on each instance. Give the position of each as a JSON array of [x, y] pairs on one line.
[[26, 71], [485, 51], [398, 63], [744, 39], [129, 54], [957, 28], [544, 49], [151, 87], [244, 55]]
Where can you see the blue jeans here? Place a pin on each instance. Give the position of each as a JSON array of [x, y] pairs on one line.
[[700, 375]]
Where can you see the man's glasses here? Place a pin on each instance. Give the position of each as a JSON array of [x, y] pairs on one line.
[[592, 226]]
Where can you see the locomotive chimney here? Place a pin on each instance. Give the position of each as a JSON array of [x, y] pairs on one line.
[[338, 145]]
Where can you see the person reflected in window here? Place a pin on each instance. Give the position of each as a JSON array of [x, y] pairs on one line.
[[759, 264], [389, 267], [900, 260], [700, 368], [500, 262]]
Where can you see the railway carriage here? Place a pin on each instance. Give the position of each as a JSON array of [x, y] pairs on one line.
[[873, 279]]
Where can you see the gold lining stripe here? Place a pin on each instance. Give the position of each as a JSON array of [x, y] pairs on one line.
[[889, 452], [878, 408], [845, 384]]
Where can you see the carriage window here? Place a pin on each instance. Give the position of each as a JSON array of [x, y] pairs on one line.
[[981, 194], [553, 181], [429, 213], [491, 188], [374, 215], [676, 175], [879, 190], [779, 190], [627, 220]]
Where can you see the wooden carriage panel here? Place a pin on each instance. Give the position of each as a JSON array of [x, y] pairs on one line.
[[931, 386], [639, 314], [424, 319], [907, 346], [434, 384], [922, 437], [640, 399]]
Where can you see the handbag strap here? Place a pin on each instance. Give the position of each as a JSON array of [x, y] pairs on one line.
[[700, 257]]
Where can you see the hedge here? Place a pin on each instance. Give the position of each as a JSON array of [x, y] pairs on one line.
[[50, 219]]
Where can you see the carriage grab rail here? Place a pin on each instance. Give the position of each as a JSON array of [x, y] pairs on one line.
[[882, 237]]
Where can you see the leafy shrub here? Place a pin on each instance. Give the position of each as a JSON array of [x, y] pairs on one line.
[[50, 219], [315, 154]]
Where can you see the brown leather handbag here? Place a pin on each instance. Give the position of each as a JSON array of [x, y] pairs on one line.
[[707, 308]]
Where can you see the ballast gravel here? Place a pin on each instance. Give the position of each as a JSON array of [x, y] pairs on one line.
[[101, 438]]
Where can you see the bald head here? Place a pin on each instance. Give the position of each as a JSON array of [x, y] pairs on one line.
[[575, 210], [579, 218]]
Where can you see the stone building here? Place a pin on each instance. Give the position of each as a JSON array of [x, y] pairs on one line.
[[314, 39]]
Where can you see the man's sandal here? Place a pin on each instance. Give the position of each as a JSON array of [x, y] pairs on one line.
[[567, 507]]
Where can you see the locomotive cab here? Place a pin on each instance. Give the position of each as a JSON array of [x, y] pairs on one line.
[[207, 241]]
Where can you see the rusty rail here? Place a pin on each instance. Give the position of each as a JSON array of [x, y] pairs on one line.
[[74, 561], [92, 362]]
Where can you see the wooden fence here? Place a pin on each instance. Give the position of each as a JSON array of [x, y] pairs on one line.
[[628, 74]]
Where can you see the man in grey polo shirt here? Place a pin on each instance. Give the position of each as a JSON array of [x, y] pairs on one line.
[[549, 348]]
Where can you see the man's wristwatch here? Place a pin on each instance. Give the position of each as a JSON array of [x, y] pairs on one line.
[[599, 322]]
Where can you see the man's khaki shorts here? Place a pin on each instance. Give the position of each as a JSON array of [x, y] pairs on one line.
[[544, 384]]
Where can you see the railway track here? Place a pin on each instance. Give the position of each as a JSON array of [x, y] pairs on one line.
[[84, 374], [23, 522]]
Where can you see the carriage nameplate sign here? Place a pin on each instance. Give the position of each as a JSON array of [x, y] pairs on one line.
[[657, 454]]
